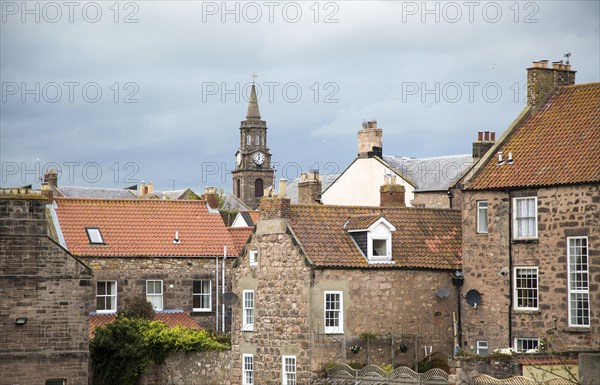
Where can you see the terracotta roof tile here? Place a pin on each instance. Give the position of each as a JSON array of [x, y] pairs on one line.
[[424, 238], [558, 144], [548, 360], [240, 236], [170, 318], [362, 222], [142, 227]]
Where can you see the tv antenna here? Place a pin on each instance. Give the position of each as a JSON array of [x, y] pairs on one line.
[[568, 55]]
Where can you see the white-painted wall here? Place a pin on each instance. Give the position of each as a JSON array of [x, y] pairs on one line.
[[359, 185], [239, 221]]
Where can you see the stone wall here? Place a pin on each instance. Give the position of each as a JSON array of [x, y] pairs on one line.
[[562, 212], [177, 275], [289, 311], [41, 281], [191, 368], [434, 199]]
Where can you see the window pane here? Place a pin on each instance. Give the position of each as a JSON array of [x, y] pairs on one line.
[[482, 217]]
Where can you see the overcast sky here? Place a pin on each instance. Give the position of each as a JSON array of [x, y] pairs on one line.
[[117, 93]]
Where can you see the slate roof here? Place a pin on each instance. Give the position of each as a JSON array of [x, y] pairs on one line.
[[231, 202], [292, 186], [250, 216], [424, 238], [95, 192], [559, 143], [170, 318], [175, 194], [430, 174], [143, 227]]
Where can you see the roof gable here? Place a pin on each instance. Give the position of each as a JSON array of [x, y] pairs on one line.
[[143, 227], [556, 144]]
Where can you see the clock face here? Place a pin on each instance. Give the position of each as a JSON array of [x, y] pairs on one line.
[[238, 158], [258, 158]]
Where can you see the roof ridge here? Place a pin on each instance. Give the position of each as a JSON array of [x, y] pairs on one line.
[[132, 200]]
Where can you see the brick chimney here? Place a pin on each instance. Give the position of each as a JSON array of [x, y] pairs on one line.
[[309, 188], [211, 197], [370, 140], [282, 187], [485, 141], [23, 212], [274, 208], [541, 80], [50, 179], [390, 193]]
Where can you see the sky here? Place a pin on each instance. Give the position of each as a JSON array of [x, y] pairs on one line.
[[116, 93]]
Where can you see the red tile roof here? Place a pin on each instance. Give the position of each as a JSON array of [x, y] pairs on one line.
[[240, 236], [362, 222], [143, 227], [559, 143], [424, 238], [171, 319]]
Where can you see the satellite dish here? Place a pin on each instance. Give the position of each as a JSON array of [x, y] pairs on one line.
[[443, 292], [229, 298], [473, 298]]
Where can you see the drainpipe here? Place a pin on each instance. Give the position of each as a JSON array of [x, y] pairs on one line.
[[223, 289], [457, 280], [510, 266], [450, 196], [217, 293]]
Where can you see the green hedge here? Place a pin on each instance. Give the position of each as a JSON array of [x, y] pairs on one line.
[[121, 351]]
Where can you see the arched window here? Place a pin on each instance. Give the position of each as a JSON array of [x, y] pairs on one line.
[[257, 140], [237, 188], [258, 188]]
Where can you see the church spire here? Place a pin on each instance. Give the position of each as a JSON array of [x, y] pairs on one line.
[[253, 112]]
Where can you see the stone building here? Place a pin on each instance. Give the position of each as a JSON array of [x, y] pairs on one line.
[[314, 279], [170, 251], [531, 224], [46, 295], [426, 181], [253, 171]]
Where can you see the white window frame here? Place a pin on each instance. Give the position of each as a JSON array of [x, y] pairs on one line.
[[202, 294], [517, 219], [247, 371], [110, 311], [285, 371], [482, 206], [518, 343], [155, 295], [388, 245], [481, 345], [94, 235], [248, 311], [248, 140], [253, 257], [516, 288], [580, 287], [336, 329]]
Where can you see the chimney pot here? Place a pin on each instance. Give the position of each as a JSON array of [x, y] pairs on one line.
[[479, 136], [493, 136], [282, 187]]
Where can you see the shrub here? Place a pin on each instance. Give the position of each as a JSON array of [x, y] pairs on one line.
[[137, 307]]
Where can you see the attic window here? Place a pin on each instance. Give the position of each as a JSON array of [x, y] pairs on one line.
[[375, 241], [94, 235]]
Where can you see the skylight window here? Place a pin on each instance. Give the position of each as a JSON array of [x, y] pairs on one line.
[[94, 235]]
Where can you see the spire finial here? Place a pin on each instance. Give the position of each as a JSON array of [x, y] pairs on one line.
[[254, 76]]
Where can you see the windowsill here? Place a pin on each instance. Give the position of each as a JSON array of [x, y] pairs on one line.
[[200, 311], [106, 312], [527, 312], [578, 329], [247, 329], [337, 332], [525, 240], [481, 234]]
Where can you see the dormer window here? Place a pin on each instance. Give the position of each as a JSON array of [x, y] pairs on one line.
[[94, 235], [373, 236]]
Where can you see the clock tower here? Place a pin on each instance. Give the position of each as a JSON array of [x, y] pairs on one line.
[[253, 172]]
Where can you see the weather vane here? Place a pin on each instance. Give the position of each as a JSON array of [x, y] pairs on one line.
[[254, 76]]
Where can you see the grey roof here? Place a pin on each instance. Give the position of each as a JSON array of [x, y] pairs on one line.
[[95, 192], [292, 186], [173, 194], [431, 174], [231, 202]]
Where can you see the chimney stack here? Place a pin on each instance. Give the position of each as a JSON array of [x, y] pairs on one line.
[[282, 187], [50, 179], [541, 80], [485, 141], [390, 193], [370, 140], [309, 188], [211, 197], [274, 208]]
